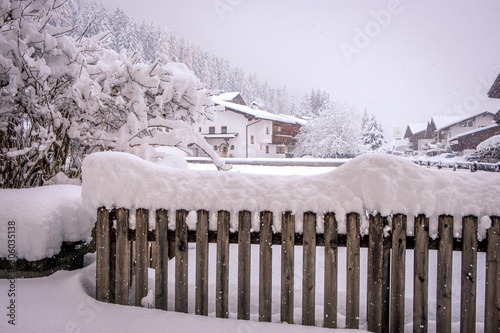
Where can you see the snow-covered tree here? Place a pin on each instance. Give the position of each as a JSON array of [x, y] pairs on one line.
[[332, 133], [490, 148], [61, 98], [372, 133]]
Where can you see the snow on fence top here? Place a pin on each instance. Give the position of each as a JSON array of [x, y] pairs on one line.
[[373, 182]]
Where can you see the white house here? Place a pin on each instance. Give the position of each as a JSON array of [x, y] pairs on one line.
[[242, 131]]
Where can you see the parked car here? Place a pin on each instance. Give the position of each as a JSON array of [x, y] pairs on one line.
[[472, 157]]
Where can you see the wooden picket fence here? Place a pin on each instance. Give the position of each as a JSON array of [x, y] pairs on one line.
[[117, 261]]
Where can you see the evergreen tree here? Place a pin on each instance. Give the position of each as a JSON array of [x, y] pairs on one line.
[[372, 133]]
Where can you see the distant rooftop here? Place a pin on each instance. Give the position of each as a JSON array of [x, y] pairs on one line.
[[417, 128], [255, 113]]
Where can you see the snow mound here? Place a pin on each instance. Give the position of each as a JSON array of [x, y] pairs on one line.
[[43, 217], [373, 182]]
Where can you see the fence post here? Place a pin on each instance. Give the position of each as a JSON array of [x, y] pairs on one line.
[[468, 284], [103, 257], [309, 269], [161, 271], [142, 257], [201, 294], [353, 259], [266, 267], [122, 257], [287, 266], [374, 311], [222, 275], [421, 274], [492, 302], [244, 249], [398, 273], [331, 269], [181, 262], [444, 274]]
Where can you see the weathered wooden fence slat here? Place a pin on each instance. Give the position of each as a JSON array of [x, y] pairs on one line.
[[444, 274], [331, 271], [309, 270], [123, 252], [421, 274], [287, 266], [353, 262], [398, 273], [122, 257], [374, 309], [161, 261], [222, 273], [266, 267], [103, 259], [492, 302], [141, 255], [181, 262], [244, 248], [201, 293]]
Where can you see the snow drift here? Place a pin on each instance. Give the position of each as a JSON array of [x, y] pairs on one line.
[[369, 183], [44, 217]]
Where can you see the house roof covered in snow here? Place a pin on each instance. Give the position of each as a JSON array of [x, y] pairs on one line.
[[256, 113], [446, 121], [228, 96], [495, 89], [417, 128]]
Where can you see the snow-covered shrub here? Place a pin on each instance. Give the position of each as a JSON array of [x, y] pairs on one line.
[[63, 98], [490, 148], [330, 134]]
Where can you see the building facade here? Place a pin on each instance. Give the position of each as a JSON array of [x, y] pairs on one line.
[[241, 131]]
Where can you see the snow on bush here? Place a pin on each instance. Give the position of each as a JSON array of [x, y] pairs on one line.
[[44, 217], [490, 148], [369, 183]]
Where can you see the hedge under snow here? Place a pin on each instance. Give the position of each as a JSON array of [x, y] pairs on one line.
[[369, 183], [43, 218]]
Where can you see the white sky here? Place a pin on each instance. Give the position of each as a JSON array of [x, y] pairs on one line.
[[427, 58]]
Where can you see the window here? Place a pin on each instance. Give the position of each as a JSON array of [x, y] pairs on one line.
[[215, 148], [291, 150], [280, 150], [232, 147], [251, 139], [278, 128], [267, 149], [223, 129], [211, 130], [470, 123], [267, 130], [199, 129]]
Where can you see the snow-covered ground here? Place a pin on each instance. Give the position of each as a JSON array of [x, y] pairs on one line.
[[64, 301]]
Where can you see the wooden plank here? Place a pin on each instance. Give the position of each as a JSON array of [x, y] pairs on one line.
[[444, 274], [386, 280], [266, 267], [181, 262], [468, 283], [112, 256], [201, 289], [122, 257], [331, 271], [352, 272], [141, 254], [287, 266], [374, 310], [161, 262], [421, 275], [398, 273], [309, 270], [492, 302], [244, 226], [222, 275], [103, 260]]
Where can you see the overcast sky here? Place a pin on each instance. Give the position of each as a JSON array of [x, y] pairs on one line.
[[402, 60]]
